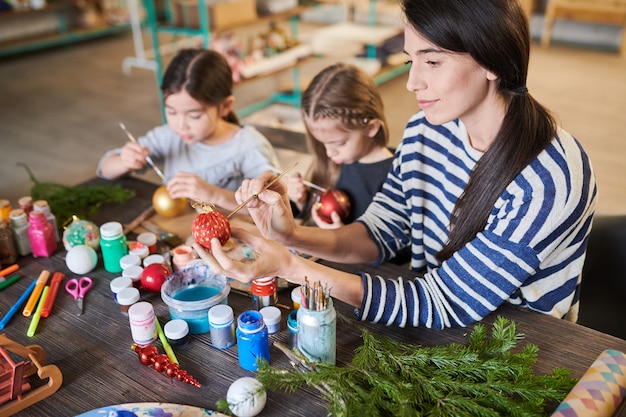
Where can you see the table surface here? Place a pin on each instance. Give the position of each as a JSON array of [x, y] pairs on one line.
[[99, 368]]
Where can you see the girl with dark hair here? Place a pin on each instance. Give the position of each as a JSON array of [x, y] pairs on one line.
[[205, 151], [347, 134], [494, 199]]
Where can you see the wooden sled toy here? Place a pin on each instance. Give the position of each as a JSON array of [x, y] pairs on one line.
[[15, 388]]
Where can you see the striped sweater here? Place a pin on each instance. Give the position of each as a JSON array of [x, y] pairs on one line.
[[530, 252]]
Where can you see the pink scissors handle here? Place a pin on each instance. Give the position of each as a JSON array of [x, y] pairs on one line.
[[78, 288]]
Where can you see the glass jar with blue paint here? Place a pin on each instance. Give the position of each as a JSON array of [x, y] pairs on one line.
[[252, 340]]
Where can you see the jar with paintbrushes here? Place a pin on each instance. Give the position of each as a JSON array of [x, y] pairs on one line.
[[317, 324]]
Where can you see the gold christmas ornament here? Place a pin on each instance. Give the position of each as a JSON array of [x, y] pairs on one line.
[[167, 206]]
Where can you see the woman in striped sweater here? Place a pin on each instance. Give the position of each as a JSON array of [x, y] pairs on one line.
[[493, 198]]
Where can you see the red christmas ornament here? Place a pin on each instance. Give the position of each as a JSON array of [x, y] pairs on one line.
[[153, 276], [150, 356], [209, 224], [332, 200]]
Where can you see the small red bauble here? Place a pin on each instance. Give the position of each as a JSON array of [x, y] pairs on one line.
[[153, 276], [209, 224], [332, 200]]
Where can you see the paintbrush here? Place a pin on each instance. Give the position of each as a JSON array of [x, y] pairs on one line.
[[305, 182], [150, 161], [253, 196]]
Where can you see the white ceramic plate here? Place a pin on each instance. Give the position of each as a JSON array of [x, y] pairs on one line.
[[152, 410]]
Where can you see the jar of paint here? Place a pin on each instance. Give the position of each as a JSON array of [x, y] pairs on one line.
[[222, 322], [138, 249], [252, 340], [271, 317], [126, 298], [177, 333], [153, 259], [149, 240], [118, 284], [181, 256], [129, 260], [296, 297], [142, 323], [113, 245], [263, 292], [292, 326]]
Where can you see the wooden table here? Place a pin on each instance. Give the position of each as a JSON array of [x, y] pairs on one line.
[[99, 369]]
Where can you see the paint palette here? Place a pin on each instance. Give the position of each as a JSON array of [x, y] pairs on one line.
[[152, 410]]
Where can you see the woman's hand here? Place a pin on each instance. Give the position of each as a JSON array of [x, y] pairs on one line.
[[271, 211], [269, 257], [133, 156]]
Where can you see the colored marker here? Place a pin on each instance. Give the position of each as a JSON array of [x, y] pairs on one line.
[[34, 297], [17, 305], [35, 320], [52, 295], [8, 282], [9, 270]]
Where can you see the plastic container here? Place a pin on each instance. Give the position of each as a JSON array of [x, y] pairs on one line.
[[252, 340], [177, 333], [113, 245], [263, 292], [118, 284], [292, 326], [134, 273], [296, 297], [126, 298], [190, 294], [149, 240], [153, 259], [142, 323], [222, 322], [129, 260], [271, 317], [181, 256], [139, 249], [317, 333]]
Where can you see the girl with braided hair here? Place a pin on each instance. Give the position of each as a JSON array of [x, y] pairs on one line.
[[347, 133]]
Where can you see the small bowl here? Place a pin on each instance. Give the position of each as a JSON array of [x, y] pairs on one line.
[[191, 292]]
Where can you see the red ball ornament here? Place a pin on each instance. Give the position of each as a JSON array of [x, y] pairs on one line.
[[209, 224], [160, 362], [153, 276], [332, 200]]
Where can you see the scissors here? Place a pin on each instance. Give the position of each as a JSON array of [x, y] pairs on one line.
[[78, 289]]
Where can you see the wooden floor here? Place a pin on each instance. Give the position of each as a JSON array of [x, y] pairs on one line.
[[60, 109]]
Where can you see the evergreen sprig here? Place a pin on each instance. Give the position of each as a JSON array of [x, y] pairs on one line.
[[386, 377], [82, 201]]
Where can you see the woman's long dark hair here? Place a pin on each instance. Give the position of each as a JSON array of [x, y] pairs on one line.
[[495, 34], [204, 74]]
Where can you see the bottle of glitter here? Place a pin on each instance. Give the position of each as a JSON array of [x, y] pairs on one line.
[[19, 225], [41, 235]]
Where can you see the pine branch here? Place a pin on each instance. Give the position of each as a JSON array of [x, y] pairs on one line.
[[386, 377]]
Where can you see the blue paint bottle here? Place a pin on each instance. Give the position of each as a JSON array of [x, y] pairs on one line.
[[252, 340]]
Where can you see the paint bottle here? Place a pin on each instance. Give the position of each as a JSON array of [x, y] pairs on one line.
[[142, 323], [42, 206], [19, 226], [8, 254], [41, 235], [118, 284], [292, 326], [317, 333], [222, 326], [263, 292], [177, 333], [126, 298], [252, 340], [181, 256], [149, 239], [271, 317], [134, 273], [113, 245]]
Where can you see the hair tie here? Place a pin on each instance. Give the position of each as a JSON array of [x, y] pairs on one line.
[[520, 90]]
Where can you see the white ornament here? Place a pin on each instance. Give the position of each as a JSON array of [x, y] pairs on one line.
[[81, 259], [246, 397]]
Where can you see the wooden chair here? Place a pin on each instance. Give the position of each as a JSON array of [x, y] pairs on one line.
[[595, 11]]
